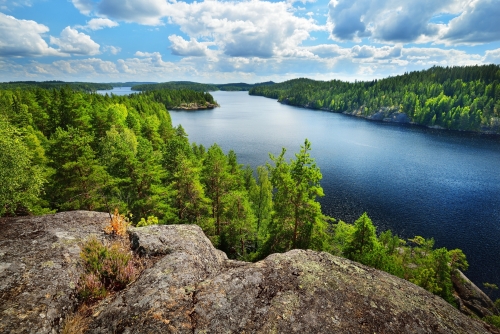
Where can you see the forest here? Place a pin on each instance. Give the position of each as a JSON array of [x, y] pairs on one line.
[[199, 87], [456, 98], [62, 149], [175, 98], [79, 86]]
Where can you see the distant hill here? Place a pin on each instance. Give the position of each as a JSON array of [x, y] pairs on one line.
[[78, 86], [130, 83], [458, 98], [201, 87]]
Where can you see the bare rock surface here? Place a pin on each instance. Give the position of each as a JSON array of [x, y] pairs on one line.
[[470, 299], [194, 288], [38, 268]]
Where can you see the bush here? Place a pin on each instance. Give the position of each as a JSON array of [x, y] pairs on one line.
[[107, 268], [118, 225]]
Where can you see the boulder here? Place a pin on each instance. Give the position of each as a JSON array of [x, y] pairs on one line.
[[193, 288], [39, 268]]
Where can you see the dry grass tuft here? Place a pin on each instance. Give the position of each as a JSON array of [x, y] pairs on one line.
[[118, 225]]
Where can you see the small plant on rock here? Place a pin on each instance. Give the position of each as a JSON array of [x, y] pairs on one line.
[[118, 225], [107, 268]]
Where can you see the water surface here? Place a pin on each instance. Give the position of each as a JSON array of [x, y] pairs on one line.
[[412, 180], [118, 91]]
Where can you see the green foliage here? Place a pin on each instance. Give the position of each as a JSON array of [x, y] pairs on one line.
[[199, 87], [297, 221], [107, 268], [493, 319], [458, 98], [415, 260], [22, 179], [152, 220], [77, 86], [102, 152]]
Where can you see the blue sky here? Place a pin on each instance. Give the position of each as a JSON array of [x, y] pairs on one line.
[[241, 41]]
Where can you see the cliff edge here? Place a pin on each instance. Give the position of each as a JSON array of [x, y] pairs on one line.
[[194, 288]]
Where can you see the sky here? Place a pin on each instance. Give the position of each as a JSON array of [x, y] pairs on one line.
[[253, 41]]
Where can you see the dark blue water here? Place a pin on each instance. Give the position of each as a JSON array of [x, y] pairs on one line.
[[412, 180]]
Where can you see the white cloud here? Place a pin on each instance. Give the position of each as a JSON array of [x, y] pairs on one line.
[[10, 4], [112, 49], [238, 28], [324, 62], [412, 20], [243, 29], [85, 66], [148, 12], [23, 38], [477, 24], [98, 23], [492, 57], [73, 42], [303, 1], [181, 47], [84, 6], [153, 58]]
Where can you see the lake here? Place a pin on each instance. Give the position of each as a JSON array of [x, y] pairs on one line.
[[118, 91], [412, 180]]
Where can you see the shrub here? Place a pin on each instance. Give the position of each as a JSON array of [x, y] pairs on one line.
[[107, 268], [152, 220], [117, 225]]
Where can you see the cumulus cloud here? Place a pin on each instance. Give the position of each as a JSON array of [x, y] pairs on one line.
[[84, 6], [148, 12], [73, 42], [477, 24], [391, 20], [98, 23], [243, 29], [22, 38], [492, 57], [237, 28], [153, 58], [181, 47]]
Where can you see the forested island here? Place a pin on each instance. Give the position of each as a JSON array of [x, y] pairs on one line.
[[182, 99], [63, 149], [455, 98]]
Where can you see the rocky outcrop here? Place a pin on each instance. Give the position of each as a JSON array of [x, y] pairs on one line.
[[384, 114], [470, 299], [194, 288], [39, 268]]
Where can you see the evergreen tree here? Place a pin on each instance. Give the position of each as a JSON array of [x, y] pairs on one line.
[[297, 221], [21, 180]]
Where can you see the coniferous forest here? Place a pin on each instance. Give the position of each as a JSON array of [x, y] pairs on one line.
[[62, 149], [455, 98]]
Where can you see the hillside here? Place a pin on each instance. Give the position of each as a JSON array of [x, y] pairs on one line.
[[455, 98], [200, 87]]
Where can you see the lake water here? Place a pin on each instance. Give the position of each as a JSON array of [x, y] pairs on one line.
[[117, 91], [412, 180]]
